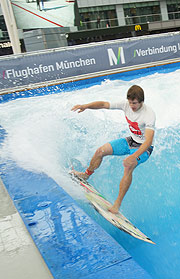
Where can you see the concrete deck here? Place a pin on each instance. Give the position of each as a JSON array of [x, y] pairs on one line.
[[19, 257]]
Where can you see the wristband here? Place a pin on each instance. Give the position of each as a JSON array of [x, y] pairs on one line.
[[88, 172]]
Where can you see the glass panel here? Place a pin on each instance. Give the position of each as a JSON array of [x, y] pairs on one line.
[[173, 7], [137, 13], [97, 8], [143, 4], [98, 17], [172, 2], [105, 16]]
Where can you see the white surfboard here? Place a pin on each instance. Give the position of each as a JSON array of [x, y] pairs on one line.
[[102, 205]]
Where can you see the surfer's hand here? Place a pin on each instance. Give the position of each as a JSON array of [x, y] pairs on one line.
[[80, 108], [130, 161]]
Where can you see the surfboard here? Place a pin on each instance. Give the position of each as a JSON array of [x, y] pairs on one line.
[[101, 205]]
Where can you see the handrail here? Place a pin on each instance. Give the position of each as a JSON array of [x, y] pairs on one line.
[[138, 19], [109, 22]]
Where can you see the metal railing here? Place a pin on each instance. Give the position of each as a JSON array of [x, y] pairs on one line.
[[129, 20], [174, 15], [94, 24]]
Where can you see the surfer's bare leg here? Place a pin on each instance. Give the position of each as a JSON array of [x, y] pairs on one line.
[[123, 188], [96, 160]]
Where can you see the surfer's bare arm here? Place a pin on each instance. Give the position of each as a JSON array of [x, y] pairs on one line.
[[93, 105]]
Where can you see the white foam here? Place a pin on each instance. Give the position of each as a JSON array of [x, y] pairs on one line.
[[44, 134]]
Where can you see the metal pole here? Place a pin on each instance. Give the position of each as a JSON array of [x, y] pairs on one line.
[[11, 25]]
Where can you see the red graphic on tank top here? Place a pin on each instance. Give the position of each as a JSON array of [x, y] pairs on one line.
[[133, 126]]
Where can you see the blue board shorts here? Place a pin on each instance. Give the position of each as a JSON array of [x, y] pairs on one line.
[[127, 146]]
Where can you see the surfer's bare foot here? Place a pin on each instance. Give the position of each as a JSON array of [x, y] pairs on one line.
[[114, 209], [80, 174]]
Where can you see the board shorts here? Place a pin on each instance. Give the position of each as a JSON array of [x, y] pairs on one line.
[[127, 146]]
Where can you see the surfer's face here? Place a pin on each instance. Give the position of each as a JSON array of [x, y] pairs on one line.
[[135, 105]]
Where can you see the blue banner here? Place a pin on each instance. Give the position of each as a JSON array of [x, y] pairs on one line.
[[27, 69]]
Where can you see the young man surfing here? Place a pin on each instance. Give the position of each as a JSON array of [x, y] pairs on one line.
[[141, 121]]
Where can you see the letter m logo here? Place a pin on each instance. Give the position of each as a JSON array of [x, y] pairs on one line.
[[113, 60]]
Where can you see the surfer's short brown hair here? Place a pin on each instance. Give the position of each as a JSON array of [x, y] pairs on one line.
[[135, 92]]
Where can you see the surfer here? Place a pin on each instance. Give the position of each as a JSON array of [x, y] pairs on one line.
[[138, 146]]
